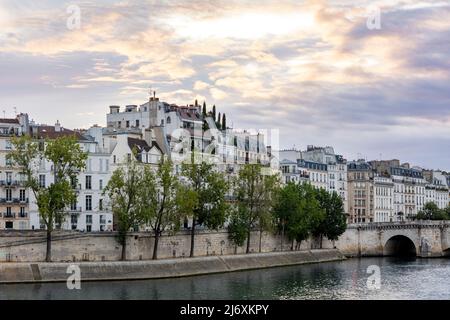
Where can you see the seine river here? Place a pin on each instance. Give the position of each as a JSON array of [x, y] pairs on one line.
[[398, 279]]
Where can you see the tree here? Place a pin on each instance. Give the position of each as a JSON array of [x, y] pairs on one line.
[[196, 103], [254, 193], [67, 159], [204, 196], [224, 122], [431, 211], [298, 212], [161, 199], [237, 230], [214, 112], [334, 222], [204, 109], [218, 122], [125, 190]]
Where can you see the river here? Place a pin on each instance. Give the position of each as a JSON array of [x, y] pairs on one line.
[[399, 279]]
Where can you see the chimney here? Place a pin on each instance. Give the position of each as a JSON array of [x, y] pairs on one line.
[[57, 126], [148, 136]]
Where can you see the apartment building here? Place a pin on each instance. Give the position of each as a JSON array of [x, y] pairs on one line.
[[360, 192], [89, 212], [14, 196]]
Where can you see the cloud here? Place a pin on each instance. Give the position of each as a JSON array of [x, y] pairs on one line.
[[311, 68]]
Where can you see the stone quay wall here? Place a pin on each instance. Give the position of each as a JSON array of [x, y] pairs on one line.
[[72, 246]]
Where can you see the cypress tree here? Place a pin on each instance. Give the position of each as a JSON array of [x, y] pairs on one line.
[[204, 109], [224, 122], [214, 112], [218, 122]]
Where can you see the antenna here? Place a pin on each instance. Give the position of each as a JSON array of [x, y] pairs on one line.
[[15, 111]]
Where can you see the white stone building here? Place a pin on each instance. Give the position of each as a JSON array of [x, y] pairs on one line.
[[383, 199], [89, 212], [14, 197]]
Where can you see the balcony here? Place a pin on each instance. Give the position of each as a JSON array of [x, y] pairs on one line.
[[9, 215], [22, 215], [14, 200], [12, 183], [102, 221], [75, 210]]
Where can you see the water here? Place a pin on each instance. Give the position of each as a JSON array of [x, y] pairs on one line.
[[400, 279]]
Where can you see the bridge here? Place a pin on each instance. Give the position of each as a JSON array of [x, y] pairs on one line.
[[417, 238]]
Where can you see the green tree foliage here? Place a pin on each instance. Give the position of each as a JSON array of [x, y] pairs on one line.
[[431, 211], [237, 229], [298, 212], [335, 221], [254, 192], [203, 196], [218, 124], [161, 201], [67, 159], [126, 190], [224, 122], [204, 109], [214, 112]]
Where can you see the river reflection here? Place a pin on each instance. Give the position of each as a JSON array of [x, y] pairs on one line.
[[400, 279]]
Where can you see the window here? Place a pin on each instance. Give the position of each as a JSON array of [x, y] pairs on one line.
[[42, 180], [8, 212], [100, 184], [162, 122], [8, 225], [88, 203], [100, 164], [8, 195], [8, 144], [89, 219], [128, 124], [168, 120], [22, 195], [100, 204], [119, 124], [88, 228], [73, 206], [107, 164], [9, 177], [129, 157], [137, 123], [114, 159], [22, 212], [73, 182], [88, 182]]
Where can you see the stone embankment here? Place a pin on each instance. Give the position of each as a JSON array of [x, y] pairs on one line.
[[25, 272]]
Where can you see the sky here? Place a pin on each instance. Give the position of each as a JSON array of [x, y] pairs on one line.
[[370, 78]]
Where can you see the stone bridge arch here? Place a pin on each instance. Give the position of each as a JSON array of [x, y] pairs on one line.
[[400, 241], [400, 245]]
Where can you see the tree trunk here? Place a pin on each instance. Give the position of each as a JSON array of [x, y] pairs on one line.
[[48, 254], [124, 249], [192, 238], [292, 245], [248, 242], [282, 236], [260, 240], [321, 240], [299, 245], [155, 246]]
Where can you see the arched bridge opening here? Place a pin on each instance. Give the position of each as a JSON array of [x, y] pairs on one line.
[[400, 246]]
